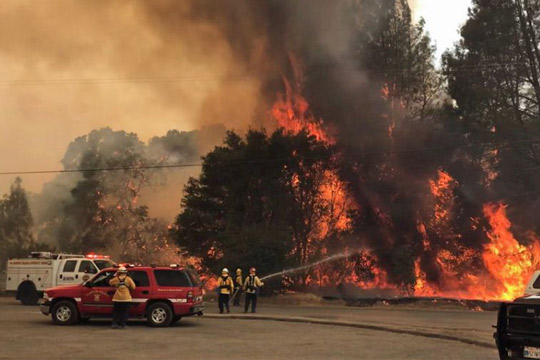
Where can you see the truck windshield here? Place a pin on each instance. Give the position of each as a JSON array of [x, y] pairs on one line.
[[102, 279], [103, 264]]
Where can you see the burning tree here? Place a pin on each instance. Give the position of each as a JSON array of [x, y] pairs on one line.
[[104, 212], [419, 178]]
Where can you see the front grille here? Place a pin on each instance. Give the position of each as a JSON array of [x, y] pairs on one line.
[[523, 318]]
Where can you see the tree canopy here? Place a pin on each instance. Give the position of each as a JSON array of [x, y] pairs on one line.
[[259, 200]]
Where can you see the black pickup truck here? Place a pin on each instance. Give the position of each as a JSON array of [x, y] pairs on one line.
[[518, 329]]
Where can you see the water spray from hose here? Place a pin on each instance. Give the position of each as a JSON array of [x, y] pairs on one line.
[[328, 259]]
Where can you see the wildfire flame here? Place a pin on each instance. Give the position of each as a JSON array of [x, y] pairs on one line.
[[508, 262], [505, 263], [291, 109]]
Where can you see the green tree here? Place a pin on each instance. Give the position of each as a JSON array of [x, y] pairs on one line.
[[16, 237], [493, 76], [259, 201], [399, 53], [17, 222]]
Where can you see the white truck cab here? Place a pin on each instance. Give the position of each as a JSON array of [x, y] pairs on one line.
[[533, 285], [29, 277]]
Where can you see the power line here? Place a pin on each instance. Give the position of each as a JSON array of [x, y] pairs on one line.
[[355, 156], [99, 81], [173, 79], [124, 168]]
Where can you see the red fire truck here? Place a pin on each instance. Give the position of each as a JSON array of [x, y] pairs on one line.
[[28, 277], [163, 295]]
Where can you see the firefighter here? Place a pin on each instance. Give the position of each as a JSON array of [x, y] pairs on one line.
[[251, 287], [122, 297], [238, 284], [225, 289]]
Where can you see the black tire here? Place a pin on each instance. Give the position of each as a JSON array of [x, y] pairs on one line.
[[175, 319], [27, 293], [159, 314], [65, 313]]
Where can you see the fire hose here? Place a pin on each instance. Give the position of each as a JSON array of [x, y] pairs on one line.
[[235, 292]]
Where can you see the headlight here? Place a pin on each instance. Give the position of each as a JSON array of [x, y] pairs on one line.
[[45, 296]]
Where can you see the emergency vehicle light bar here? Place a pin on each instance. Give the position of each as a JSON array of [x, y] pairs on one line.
[[94, 256], [126, 265]]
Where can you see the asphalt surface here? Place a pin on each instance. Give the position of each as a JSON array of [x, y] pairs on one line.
[[27, 334], [465, 324]]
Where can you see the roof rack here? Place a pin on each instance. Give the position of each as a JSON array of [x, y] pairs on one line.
[[50, 255]]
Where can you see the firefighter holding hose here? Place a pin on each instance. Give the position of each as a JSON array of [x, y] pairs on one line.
[[238, 285], [252, 287], [225, 289]]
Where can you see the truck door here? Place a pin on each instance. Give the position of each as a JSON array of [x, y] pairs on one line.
[[141, 293], [86, 270], [97, 295], [67, 275]]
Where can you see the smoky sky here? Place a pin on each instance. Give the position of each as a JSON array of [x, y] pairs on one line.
[[69, 66]]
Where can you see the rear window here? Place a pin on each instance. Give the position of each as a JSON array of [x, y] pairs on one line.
[[140, 278], [194, 278], [172, 278], [70, 266]]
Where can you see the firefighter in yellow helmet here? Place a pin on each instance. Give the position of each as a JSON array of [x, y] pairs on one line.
[[252, 286], [238, 284], [225, 289], [122, 297]]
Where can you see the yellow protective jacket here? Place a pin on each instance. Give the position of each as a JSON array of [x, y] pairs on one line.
[[252, 283], [123, 285], [239, 281], [225, 286]]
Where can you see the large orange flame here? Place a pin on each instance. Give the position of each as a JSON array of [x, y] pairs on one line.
[[507, 263], [291, 109]]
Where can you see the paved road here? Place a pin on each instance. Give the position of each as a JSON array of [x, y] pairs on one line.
[[474, 325], [26, 334]]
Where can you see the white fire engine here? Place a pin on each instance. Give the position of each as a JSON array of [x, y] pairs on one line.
[[29, 277]]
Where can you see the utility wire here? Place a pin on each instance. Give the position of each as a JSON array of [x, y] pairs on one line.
[[125, 168], [355, 156], [98, 81], [210, 78]]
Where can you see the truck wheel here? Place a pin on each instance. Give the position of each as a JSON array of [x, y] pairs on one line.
[[159, 315], [65, 313], [27, 293], [175, 319]]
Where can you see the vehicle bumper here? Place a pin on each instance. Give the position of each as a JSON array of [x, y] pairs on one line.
[[197, 309], [189, 309], [45, 307]]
